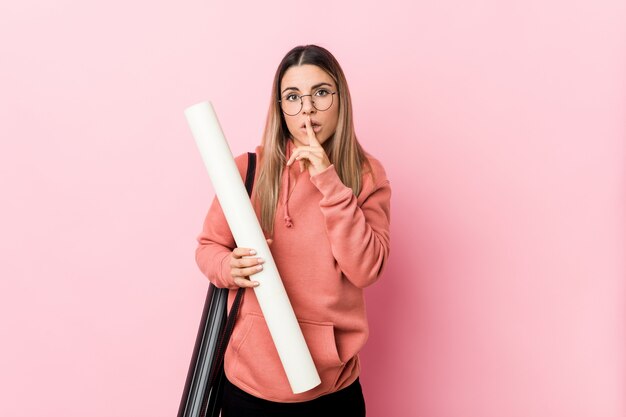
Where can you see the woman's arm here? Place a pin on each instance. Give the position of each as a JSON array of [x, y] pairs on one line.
[[215, 245], [358, 228], [214, 254]]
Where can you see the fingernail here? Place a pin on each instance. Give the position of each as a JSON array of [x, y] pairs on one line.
[[252, 252], [260, 260], [259, 267], [256, 283]]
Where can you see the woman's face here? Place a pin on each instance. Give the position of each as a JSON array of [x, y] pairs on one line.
[[310, 79]]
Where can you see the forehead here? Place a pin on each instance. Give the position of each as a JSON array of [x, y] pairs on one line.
[[303, 77]]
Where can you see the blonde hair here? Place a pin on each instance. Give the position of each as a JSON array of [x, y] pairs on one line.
[[342, 148]]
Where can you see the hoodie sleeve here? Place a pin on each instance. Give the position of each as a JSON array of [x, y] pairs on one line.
[[357, 228], [216, 242]]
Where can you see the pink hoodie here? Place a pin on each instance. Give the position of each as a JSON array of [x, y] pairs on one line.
[[328, 245]]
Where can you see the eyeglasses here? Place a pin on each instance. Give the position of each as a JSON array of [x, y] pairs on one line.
[[292, 103]]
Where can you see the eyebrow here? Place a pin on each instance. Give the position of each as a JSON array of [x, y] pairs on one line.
[[312, 88]]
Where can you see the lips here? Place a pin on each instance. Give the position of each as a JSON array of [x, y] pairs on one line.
[[316, 129], [314, 124]]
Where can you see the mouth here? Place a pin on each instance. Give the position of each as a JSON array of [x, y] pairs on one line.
[[314, 124], [316, 129]]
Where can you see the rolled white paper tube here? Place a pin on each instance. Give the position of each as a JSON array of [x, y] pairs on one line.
[[244, 225]]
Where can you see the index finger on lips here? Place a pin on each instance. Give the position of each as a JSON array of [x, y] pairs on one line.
[[310, 133]]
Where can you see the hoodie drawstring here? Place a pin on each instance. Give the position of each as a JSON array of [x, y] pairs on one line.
[[288, 222], [286, 181]]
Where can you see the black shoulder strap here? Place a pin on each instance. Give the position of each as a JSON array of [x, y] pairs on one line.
[[250, 173]]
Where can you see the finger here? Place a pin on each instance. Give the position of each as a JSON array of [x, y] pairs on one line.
[[310, 133], [293, 157], [269, 241], [245, 283], [239, 252], [246, 272], [246, 262], [310, 154], [304, 158], [298, 154]]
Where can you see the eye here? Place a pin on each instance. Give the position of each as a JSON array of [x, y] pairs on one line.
[[291, 97], [322, 92]]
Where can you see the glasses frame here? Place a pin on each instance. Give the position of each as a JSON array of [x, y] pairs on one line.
[[332, 98]]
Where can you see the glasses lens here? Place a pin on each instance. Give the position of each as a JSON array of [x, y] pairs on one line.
[[291, 105], [323, 101]]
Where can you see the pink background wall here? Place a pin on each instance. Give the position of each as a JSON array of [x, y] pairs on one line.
[[502, 127]]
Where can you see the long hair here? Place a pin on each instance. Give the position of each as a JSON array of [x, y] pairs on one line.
[[342, 148]]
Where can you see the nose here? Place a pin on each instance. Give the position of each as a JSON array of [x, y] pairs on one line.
[[307, 104]]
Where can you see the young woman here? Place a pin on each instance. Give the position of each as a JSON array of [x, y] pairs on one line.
[[324, 203]]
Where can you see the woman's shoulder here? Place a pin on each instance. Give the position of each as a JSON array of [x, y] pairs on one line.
[[241, 160], [373, 173]]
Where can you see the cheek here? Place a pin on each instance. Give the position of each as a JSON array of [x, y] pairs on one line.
[[292, 127], [334, 119]]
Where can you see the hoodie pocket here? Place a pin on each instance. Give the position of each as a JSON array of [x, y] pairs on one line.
[[258, 367]]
